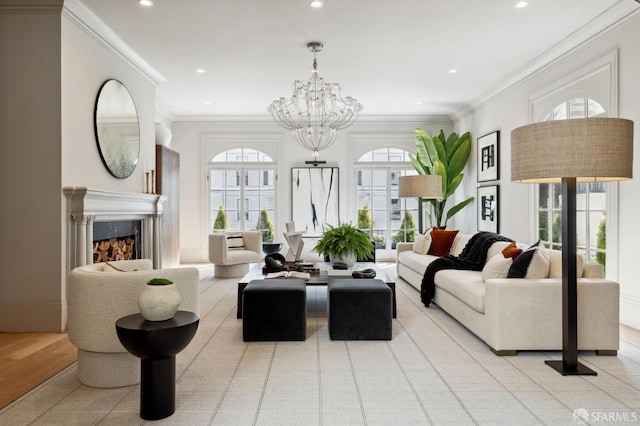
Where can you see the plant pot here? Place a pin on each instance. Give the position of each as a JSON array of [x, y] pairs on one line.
[[349, 258], [158, 302]]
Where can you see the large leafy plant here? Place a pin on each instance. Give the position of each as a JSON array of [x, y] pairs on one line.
[[447, 157]]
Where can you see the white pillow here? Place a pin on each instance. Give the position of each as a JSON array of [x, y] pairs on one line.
[[497, 267], [422, 243], [235, 242], [531, 263]]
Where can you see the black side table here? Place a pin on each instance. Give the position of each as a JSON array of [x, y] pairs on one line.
[[156, 343]]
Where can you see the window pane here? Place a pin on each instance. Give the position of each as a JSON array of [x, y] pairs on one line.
[[594, 108], [577, 108]]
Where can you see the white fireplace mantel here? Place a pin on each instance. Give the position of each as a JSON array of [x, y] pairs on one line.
[[86, 206]]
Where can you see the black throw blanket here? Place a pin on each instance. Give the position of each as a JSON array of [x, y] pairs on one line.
[[472, 258]]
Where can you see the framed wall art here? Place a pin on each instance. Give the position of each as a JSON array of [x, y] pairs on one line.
[[488, 202], [489, 157], [314, 199]]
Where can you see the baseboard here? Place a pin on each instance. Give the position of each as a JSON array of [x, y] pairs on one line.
[[28, 316]]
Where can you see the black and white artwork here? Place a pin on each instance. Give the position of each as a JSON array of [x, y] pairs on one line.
[[488, 208], [489, 157], [314, 199]]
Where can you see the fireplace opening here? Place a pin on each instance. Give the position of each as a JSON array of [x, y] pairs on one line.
[[118, 240]]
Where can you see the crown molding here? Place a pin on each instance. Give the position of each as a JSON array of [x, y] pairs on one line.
[[30, 6], [87, 21], [268, 118], [612, 18]]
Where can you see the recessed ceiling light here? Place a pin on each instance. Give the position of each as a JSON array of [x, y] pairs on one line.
[[315, 3], [207, 103], [200, 71], [418, 102], [145, 3], [521, 4], [453, 71]]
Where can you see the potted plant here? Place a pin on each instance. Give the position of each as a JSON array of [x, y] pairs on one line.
[[447, 157], [159, 300], [344, 243]]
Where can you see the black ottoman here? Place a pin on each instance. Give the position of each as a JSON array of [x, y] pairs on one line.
[[359, 309], [274, 309]]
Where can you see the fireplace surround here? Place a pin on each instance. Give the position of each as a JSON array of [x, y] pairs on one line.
[[86, 206]]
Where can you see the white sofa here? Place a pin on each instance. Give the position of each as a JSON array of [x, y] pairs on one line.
[[99, 295], [512, 314]]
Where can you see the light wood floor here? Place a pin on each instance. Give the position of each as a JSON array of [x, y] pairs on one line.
[[28, 359]]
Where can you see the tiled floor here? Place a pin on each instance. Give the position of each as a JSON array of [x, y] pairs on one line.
[[434, 371]]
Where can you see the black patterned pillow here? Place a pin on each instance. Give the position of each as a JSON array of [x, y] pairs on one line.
[[235, 242]]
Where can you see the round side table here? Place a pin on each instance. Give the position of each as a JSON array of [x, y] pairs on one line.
[[156, 343]]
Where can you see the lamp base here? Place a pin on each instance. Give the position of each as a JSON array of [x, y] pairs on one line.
[[578, 370]]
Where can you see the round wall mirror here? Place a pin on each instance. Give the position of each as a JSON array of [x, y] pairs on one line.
[[117, 129]]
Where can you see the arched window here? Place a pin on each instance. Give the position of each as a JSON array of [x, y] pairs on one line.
[[241, 186], [388, 218], [591, 197]]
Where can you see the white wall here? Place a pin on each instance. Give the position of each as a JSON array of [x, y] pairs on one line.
[[189, 137], [511, 109], [50, 74]]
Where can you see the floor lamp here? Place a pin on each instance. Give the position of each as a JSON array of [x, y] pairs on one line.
[[420, 186], [571, 151]]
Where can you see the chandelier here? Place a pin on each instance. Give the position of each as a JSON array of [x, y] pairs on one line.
[[316, 110]]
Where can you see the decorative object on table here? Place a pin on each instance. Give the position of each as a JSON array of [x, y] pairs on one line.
[[269, 248], [274, 262], [572, 151], [344, 243], [314, 198], [294, 240], [316, 111], [489, 208], [365, 273], [117, 129], [489, 157], [446, 157], [420, 186], [159, 300]]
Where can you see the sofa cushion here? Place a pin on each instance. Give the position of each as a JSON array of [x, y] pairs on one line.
[[496, 248], [441, 241], [467, 286], [531, 263], [496, 267], [555, 264], [459, 243], [416, 262], [422, 243]]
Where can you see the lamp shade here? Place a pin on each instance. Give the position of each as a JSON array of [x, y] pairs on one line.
[[420, 186], [588, 149]]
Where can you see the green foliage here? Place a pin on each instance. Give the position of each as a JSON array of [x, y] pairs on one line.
[[601, 257], [447, 157], [556, 228], [342, 239], [159, 281], [407, 230], [266, 226], [221, 221], [364, 219]]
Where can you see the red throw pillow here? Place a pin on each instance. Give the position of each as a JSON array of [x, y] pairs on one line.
[[511, 251], [441, 241]]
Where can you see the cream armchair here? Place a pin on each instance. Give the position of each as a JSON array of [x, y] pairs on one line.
[[98, 295], [234, 263]]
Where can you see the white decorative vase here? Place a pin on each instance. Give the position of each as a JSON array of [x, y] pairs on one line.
[[159, 302], [349, 258]]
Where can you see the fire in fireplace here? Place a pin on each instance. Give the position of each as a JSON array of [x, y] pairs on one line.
[[119, 240]]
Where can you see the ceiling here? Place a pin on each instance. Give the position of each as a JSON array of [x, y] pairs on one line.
[[393, 56]]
